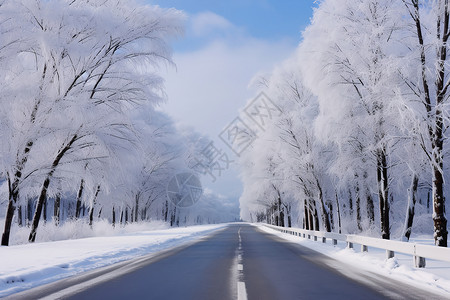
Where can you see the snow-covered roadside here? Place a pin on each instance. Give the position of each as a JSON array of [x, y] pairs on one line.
[[25, 266], [435, 277]]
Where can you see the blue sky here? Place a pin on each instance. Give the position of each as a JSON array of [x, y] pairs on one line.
[[226, 45], [262, 19]]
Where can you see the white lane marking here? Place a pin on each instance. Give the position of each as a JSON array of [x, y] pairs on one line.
[[242, 291]]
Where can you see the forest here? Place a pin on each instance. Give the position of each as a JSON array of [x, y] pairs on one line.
[[359, 141], [82, 137]]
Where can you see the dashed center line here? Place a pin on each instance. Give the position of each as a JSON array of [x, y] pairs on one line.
[[242, 292], [241, 289]]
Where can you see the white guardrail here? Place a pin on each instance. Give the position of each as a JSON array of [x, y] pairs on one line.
[[418, 251]]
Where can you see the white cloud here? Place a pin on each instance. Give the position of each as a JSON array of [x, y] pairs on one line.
[[211, 85], [208, 22]]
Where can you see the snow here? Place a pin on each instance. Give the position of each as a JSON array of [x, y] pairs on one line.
[[26, 266], [435, 277]]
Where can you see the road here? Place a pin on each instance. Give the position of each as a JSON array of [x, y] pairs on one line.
[[239, 262]]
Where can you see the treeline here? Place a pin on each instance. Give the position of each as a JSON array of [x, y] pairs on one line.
[[357, 142], [80, 133]]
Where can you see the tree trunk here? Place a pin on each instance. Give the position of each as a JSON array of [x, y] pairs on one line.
[[370, 208], [166, 211], [91, 215], [91, 209], [19, 216], [370, 204], [383, 193], [57, 209], [306, 220], [330, 209], [358, 208], [136, 208], [350, 202], [144, 214], [172, 216], [439, 219], [338, 213], [316, 217], [325, 215], [13, 190], [29, 211], [289, 218], [8, 222], [79, 197], [44, 209], [38, 211], [412, 196], [113, 217], [279, 208]]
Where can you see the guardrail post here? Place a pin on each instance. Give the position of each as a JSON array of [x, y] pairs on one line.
[[419, 262], [389, 254], [364, 248], [334, 242]]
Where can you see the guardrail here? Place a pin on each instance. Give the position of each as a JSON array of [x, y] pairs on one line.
[[419, 252]]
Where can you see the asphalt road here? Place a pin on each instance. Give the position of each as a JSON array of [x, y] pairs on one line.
[[236, 263]]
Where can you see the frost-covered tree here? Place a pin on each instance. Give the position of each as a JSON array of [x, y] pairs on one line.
[[429, 82], [86, 65], [349, 66], [286, 158], [370, 127]]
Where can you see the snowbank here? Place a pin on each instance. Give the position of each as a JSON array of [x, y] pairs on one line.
[[49, 232]]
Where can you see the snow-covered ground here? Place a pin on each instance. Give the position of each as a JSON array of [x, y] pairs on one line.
[[29, 265], [435, 277]]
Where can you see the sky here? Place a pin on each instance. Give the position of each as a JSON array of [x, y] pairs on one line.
[[225, 46]]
